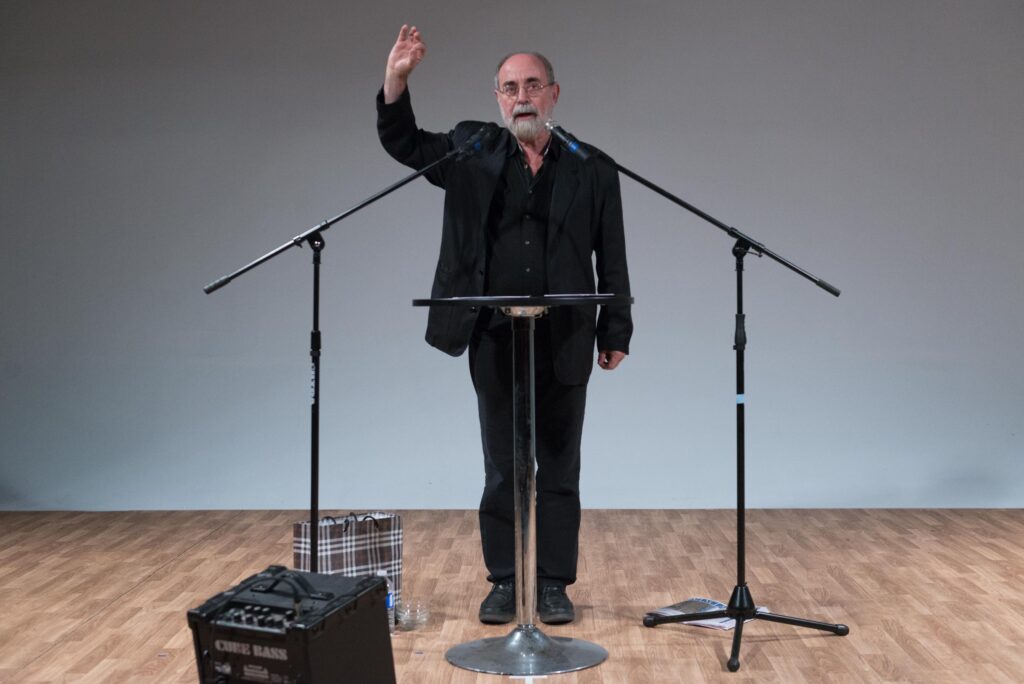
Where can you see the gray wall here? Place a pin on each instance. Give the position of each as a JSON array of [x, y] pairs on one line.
[[150, 147]]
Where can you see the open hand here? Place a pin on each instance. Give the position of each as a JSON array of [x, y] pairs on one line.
[[408, 51]]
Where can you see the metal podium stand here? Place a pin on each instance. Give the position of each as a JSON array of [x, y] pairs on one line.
[[527, 651]]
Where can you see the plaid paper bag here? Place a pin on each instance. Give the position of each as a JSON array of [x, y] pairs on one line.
[[358, 544]]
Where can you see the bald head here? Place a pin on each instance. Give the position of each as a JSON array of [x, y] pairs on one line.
[[544, 62]]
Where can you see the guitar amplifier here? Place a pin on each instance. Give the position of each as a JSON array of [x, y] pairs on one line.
[[284, 626]]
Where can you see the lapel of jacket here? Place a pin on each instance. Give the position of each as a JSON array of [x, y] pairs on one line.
[[562, 194], [486, 174]]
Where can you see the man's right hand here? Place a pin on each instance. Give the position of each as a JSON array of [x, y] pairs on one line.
[[405, 55]]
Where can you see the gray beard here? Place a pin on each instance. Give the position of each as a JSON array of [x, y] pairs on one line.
[[526, 130]]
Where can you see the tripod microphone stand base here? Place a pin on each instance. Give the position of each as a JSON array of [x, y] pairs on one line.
[[742, 608], [741, 605]]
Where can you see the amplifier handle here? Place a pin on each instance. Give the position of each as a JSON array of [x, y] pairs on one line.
[[300, 585]]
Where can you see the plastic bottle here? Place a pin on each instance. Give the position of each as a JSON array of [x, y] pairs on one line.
[[390, 602]]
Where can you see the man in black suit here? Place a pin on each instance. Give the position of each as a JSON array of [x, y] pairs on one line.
[[521, 217]]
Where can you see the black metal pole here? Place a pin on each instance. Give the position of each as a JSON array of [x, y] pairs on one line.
[[740, 250], [316, 243], [473, 144], [758, 247], [314, 237], [741, 605]]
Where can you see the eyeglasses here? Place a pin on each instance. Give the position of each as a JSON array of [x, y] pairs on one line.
[[533, 89]]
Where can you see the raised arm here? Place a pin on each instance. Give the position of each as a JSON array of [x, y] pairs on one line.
[[407, 52]]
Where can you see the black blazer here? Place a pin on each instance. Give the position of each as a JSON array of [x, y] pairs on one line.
[[585, 221]]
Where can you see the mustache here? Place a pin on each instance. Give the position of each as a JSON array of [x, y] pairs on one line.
[[524, 109]]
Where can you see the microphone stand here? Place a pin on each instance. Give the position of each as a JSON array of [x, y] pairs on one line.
[[741, 605], [314, 237]]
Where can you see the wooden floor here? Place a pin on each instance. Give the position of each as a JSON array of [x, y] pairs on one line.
[[929, 595]]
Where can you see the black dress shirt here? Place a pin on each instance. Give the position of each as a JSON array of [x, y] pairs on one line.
[[517, 225]]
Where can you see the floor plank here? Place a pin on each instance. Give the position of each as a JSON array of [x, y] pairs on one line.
[[929, 595]]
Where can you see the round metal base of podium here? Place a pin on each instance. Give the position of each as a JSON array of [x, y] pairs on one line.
[[526, 651]]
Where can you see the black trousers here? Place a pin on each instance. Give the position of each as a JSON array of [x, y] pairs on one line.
[[559, 427]]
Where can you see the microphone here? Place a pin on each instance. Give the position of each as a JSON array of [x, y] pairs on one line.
[[476, 141], [568, 141]]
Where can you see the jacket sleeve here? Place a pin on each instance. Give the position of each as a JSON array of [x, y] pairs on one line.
[[407, 144], [614, 323]]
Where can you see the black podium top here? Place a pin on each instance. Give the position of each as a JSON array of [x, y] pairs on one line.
[[527, 300]]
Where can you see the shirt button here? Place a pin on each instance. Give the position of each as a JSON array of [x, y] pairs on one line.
[[527, 242], [527, 269], [527, 217]]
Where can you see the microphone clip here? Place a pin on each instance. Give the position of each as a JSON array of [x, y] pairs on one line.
[[568, 141], [476, 141]]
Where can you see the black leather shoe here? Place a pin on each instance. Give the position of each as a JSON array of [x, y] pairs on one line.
[[499, 607], [553, 606]]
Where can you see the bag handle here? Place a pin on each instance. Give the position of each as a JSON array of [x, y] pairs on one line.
[[351, 517], [354, 517]]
